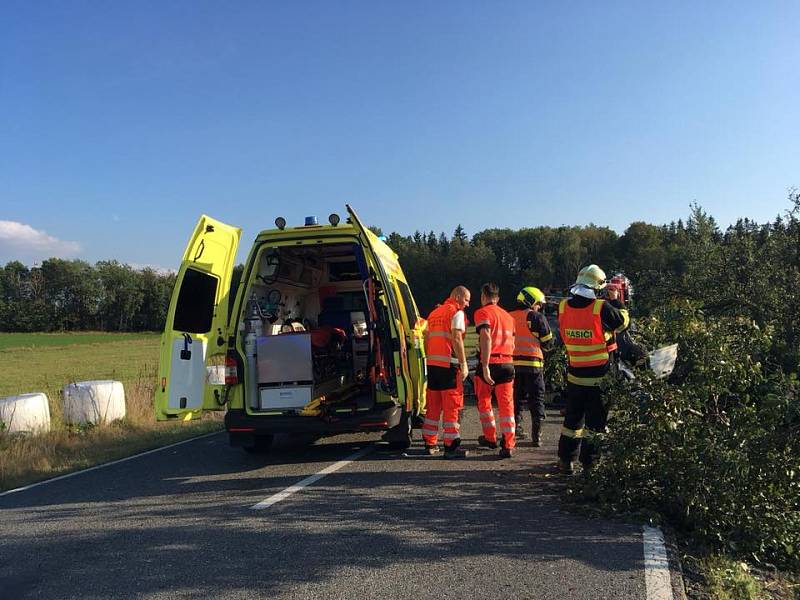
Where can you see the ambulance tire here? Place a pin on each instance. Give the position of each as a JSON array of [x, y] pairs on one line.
[[399, 436], [261, 444]]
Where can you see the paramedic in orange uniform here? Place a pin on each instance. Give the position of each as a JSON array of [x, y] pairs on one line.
[[447, 368], [495, 372]]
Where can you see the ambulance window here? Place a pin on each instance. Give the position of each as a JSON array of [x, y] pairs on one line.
[[408, 302], [195, 309]]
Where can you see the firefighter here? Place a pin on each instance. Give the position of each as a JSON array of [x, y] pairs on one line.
[[612, 294], [583, 320], [532, 337], [495, 372], [447, 369]]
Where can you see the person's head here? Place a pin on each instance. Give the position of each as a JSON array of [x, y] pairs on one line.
[[461, 296], [592, 277], [530, 297], [615, 292], [490, 293]]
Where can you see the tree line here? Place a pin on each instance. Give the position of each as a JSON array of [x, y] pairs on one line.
[[745, 264], [74, 295]]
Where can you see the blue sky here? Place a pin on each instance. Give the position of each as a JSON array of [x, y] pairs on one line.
[[120, 123]]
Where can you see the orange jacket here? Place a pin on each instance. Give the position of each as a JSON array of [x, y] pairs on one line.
[[438, 340], [527, 349], [501, 329]]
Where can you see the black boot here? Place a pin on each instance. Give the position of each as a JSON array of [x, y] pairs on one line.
[[565, 467], [519, 431], [482, 441], [536, 431], [453, 450]]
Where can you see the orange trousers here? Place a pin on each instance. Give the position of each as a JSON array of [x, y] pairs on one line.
[[444, 405], [504, 392]]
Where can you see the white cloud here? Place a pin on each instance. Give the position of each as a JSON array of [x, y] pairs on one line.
[[19, 241], [158, 269]]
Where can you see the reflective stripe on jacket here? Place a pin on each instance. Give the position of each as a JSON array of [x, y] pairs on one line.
[[527, 349], [611, 342], [501, 330], [582, 333], [438, 341]]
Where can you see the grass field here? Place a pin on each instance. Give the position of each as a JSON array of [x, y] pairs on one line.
[[10, 341], [470, 344], [45, 363]]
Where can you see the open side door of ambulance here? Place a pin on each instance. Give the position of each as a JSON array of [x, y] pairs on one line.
[[385, 264], [191, 367], [415, 344]]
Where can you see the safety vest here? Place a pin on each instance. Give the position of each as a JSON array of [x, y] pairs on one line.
[[439, 342], [501, 329], [527, 347], [582, 333]]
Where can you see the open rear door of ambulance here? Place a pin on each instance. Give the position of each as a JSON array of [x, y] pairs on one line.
[[191, 371], [386, 264]]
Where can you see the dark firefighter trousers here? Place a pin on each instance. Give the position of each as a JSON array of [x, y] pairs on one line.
[[584, 421], [529, 390]]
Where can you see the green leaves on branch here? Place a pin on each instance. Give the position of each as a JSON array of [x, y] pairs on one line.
[[715, 450]]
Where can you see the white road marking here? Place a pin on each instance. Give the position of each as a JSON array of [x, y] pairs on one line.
[[656, 565], [275, 498], [108, 464]]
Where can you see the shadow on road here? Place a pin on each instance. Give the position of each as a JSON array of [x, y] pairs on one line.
[[179, 529]]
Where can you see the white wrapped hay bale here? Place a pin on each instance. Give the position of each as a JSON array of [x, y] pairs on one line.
[[26, 413], [93, 402]]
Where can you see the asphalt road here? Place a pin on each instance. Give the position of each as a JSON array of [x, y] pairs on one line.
[[179, 524]]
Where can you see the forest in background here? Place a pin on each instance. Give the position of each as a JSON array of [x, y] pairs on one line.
[[73, 295]]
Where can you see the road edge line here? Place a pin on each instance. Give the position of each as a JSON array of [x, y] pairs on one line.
[[657, 579], [292, 489], [108, 464]]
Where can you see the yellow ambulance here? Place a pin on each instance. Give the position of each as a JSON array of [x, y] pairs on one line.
[[322, 336]]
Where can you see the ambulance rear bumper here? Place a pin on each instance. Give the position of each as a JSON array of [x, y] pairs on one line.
[[244, 428]]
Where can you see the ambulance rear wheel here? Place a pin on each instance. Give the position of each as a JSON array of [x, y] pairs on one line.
[[261, 444]]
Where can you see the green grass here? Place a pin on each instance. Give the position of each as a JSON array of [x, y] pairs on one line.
[[48, 366], [471, 344], [727, 579], [39, 340]]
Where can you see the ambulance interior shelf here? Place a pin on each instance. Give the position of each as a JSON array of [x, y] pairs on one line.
[[324, 354], [305, 327]]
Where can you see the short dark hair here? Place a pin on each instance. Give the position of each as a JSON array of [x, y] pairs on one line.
[[490, 290]]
